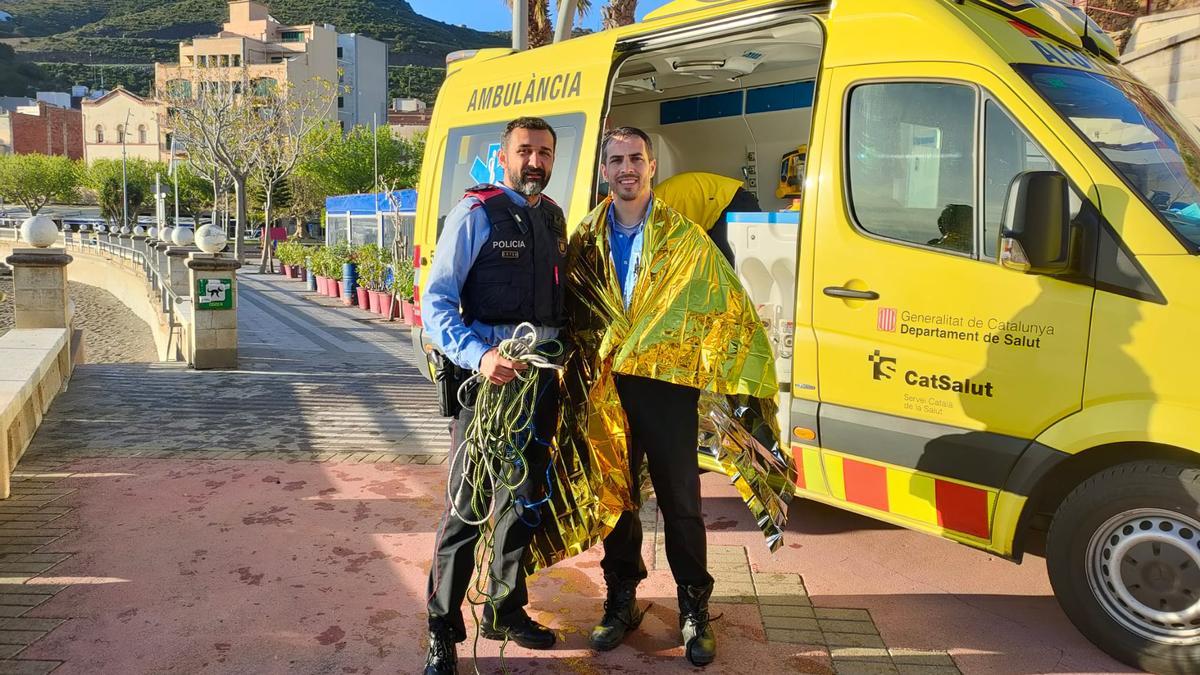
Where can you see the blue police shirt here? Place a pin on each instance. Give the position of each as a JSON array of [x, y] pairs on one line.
[[464, 233]]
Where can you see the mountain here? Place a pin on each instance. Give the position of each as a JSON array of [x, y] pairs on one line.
[[142, 31]]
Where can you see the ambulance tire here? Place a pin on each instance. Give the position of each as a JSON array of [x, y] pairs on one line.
[[1136, 510]]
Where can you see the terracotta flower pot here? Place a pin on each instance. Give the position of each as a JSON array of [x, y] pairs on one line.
[[373, 302], [293, 271], [410, 316], [364, 300], [321, 284], [337, 288], [303, 275]]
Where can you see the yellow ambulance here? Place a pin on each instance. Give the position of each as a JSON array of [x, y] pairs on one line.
[[988, 307]]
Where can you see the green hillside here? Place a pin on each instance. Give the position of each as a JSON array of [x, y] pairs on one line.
[[142, 31]]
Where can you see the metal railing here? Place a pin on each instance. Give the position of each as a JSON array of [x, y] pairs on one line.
[[152, 268]]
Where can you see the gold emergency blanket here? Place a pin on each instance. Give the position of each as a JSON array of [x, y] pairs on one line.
[[690, 323]]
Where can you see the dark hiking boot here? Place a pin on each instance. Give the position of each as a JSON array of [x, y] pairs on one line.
[[442, 658], [621, 614], [699, 641], [523, 631]]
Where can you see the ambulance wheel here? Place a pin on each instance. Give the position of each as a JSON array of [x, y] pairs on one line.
[[1123, 555]]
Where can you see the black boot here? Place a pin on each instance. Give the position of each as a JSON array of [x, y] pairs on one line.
[[443, 657], [699, 642], [621, 614]]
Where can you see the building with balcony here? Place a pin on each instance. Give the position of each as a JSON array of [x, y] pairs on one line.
[[119, 116], [253, 47]]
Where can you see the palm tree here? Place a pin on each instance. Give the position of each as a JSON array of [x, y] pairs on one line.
[[541, 30], [617, 13]]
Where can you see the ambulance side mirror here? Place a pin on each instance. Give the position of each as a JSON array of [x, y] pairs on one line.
[[1036, 232]]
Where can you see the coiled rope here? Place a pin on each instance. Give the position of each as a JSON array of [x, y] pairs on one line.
[[492, 454]]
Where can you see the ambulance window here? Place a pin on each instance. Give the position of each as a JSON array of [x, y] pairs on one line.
[[472, 158], [911, 162], [1007, 151]]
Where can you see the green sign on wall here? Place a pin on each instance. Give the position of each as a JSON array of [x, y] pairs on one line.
[[214, 294]]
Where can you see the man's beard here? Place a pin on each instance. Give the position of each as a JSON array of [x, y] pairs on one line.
[[532, 183]]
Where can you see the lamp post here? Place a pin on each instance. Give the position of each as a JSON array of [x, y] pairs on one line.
[[124, 178]]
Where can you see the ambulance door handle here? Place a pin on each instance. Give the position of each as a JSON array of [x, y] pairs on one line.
[[850, 293]]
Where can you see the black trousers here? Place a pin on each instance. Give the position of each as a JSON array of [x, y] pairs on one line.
[[454, 562], [743, 201], [663, 422]]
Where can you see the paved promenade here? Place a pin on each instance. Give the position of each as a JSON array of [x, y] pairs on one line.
[[281, 518]]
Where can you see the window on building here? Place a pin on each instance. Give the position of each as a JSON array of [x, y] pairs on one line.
[[237, 60], [120, 133], [264, 85], [224, 61], [341, 102], [179, 88], [99, 134], [911, 160], [339, 52], [142, 133], [293, 36], [276, 59]]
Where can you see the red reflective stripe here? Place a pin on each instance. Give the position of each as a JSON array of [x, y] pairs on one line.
[[865, 484], [962, 508], [798, 462]]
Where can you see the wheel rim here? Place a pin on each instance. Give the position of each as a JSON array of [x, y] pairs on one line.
[[1144, 568]]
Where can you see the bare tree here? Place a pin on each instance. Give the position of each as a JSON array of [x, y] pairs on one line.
[[220, 118], [618, 13], [288, 116]]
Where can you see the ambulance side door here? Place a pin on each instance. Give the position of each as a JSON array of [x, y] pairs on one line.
[[936, 365]]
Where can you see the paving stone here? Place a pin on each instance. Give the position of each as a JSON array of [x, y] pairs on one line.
[[785, 600], [25, 568], [790, 623], [23, 667], [906, 669], [26, 600], [919, 657], [842, 667], [33, 517], [860, 654], [34, 557], [19, 548], [864, 627], [804, 637], [30, 624], [13, 610], [20, 637], [843, 614], [787, 611], [9, 651], [855, 640]]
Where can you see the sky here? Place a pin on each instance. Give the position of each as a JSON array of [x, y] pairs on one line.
[[491, 15]]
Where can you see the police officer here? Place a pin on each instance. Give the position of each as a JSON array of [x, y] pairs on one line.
[[497, 265], [707, 199]]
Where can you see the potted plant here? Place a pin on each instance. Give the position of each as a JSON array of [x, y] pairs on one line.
[[318, 256], [340, 258], [402, 289], [370, 268]]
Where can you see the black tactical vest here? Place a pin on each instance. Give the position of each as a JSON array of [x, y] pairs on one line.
[[520, 270]]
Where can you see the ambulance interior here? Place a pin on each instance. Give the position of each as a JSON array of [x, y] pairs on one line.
[[736, 106]]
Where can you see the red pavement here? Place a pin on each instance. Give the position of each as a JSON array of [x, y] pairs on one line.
[[247, 566]]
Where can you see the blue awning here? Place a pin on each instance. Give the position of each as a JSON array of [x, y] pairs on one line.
[[371, 203]]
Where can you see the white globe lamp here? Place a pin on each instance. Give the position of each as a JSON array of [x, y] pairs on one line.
[[182, 236], [211, 239], [102, 228], [126, 231], [39, 231], [84, 227], [164, 235], [139, 231], [152, 232]]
